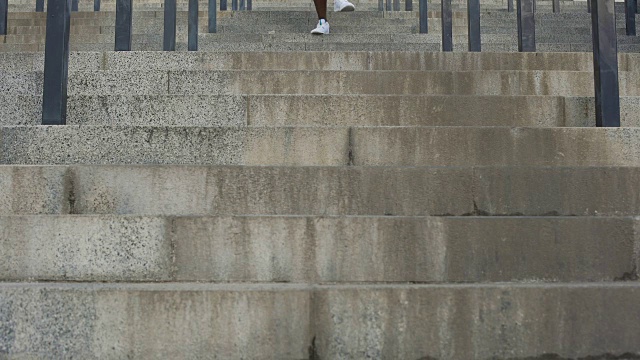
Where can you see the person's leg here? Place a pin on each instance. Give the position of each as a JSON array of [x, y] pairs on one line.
[[321, 8], [323, 26]]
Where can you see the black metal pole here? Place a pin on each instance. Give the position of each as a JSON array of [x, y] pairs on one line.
[[96, 5], [473, 14], [56, 63], [396, 5], [40, 5], [556, 6], [74, 5], [213, 26], [124, 21], [408, 5], [388, 5], [223, 5], [234, 5], [380, 5], [169, 43], [249, 5], [424, 17], [242, 5], [605, 63], [447, 25], [630, 16], [4, 10], [193, 26], [526, 26], [510, 5], [589, 6]]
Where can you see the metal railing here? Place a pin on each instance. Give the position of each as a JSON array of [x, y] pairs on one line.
[[603, 22]]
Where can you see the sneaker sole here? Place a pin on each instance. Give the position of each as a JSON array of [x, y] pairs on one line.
[[347, 8]]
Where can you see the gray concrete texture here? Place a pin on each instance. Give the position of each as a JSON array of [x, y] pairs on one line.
[[400, 60], [296, 321], [318, 249], [320, 146], [328, 110], [329, 191], [234, 82]]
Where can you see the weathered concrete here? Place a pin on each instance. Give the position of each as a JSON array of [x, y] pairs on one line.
[[291, 321], [230, 190], [317, 249]]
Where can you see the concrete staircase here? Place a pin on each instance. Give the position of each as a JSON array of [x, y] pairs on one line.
[[274, 202]]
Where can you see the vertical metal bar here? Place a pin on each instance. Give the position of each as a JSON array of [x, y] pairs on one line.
[[169, 40], [408, 5], [630, 16], [510, 5], [242, 5], [556, 6], [447, 25], [96, 5], [473, 15], [40, 5], [74, 5], [424, 17], [249, 5], [589, 6], [388, 5], [396, 5], [534, 5], [223, 5], [380, 5], [4, 10], [56, 63], [526, 26], [213, 26], [193, 26], [124, 22], [605, 63], [234, 5]]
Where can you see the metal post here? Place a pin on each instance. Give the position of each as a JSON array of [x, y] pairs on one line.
[[388, 5], [526, 26], [424, 17], [169, 42], [380, 5], [396, 5], [74, 5], [223, 5], [242, 5], [40, 5], [447, 25], [234, 5], [589, 6], [473, 14], [4, 10], [56, 63], [630, 7], [96, 5], [510, 5], [605, 63], [408, 5], [556, 6], [193, 26], [213, 28], [124, 21], [249, 5]]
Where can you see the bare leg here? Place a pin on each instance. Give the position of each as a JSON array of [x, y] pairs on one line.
[[321, 8]]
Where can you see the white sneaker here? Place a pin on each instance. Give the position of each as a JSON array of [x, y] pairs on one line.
[[343, 5], [322, 28]]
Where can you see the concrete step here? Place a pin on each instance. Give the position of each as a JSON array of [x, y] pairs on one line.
[[317, 249], [292, 321], [319, 146], [377, 60], [321, 191], [232, 82], [319, 110]]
